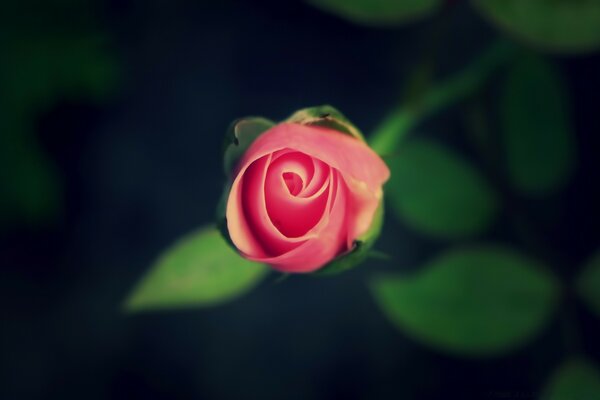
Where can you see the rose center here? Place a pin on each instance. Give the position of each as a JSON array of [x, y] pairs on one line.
[[293, 182]]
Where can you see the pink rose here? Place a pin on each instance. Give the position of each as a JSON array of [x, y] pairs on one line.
[[301, 195]]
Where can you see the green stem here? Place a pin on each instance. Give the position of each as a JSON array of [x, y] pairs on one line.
[[394, 127]]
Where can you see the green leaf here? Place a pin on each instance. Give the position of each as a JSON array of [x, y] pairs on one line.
[[477, 301], [539, 147], [241, 134], [575, 380], [438, 193], [360, 251], [199, 270], [566, 26], [588, 283], [328, 117], [378, 12]]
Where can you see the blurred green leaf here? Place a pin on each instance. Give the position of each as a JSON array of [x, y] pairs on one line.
[[575, 380], [555, 25], [30, 187], [199, 270], [588, 283], [436, 192], [378, 12], [539, 147], [44, 69], [393, 129], [477, 301], [55, 52]]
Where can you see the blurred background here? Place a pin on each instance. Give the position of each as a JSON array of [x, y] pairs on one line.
[[112, 116]]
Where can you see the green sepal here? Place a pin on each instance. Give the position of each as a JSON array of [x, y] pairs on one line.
[[220, 215], [240, 135], [360, 249], [325, 116]]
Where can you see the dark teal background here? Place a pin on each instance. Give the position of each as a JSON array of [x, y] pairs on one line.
[[143, 167]]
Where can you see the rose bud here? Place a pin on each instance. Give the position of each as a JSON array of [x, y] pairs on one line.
[[302, 194]]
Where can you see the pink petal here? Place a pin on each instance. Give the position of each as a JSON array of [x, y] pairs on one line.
[[350, 156], [318, 180], [362, 204], [293, 215], [255, 210], [239, 230], [329, 242], [249, 224]]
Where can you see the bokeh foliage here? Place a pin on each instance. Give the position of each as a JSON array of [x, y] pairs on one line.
[[552, 25], [479, 300], [576, 379], [539, 146], [437, 192], [378, 12], [588, 283], [53, 57], [476, 300]]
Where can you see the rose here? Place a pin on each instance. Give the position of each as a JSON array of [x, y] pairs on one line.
[[301, 195]]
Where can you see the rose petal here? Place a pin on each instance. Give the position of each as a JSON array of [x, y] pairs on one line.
[[238, 228], [294, 216], [249, 224], [362, 204], [345, 153], [255, 210], [329, 242], [318, 180], [299, 164]]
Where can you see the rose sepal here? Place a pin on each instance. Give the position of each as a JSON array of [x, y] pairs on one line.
[[327, 117], [239, 137], [241, 134]]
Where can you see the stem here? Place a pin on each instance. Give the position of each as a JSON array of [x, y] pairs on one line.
[[394, 127]]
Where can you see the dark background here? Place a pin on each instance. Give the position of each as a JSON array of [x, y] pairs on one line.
[[142, 167]]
